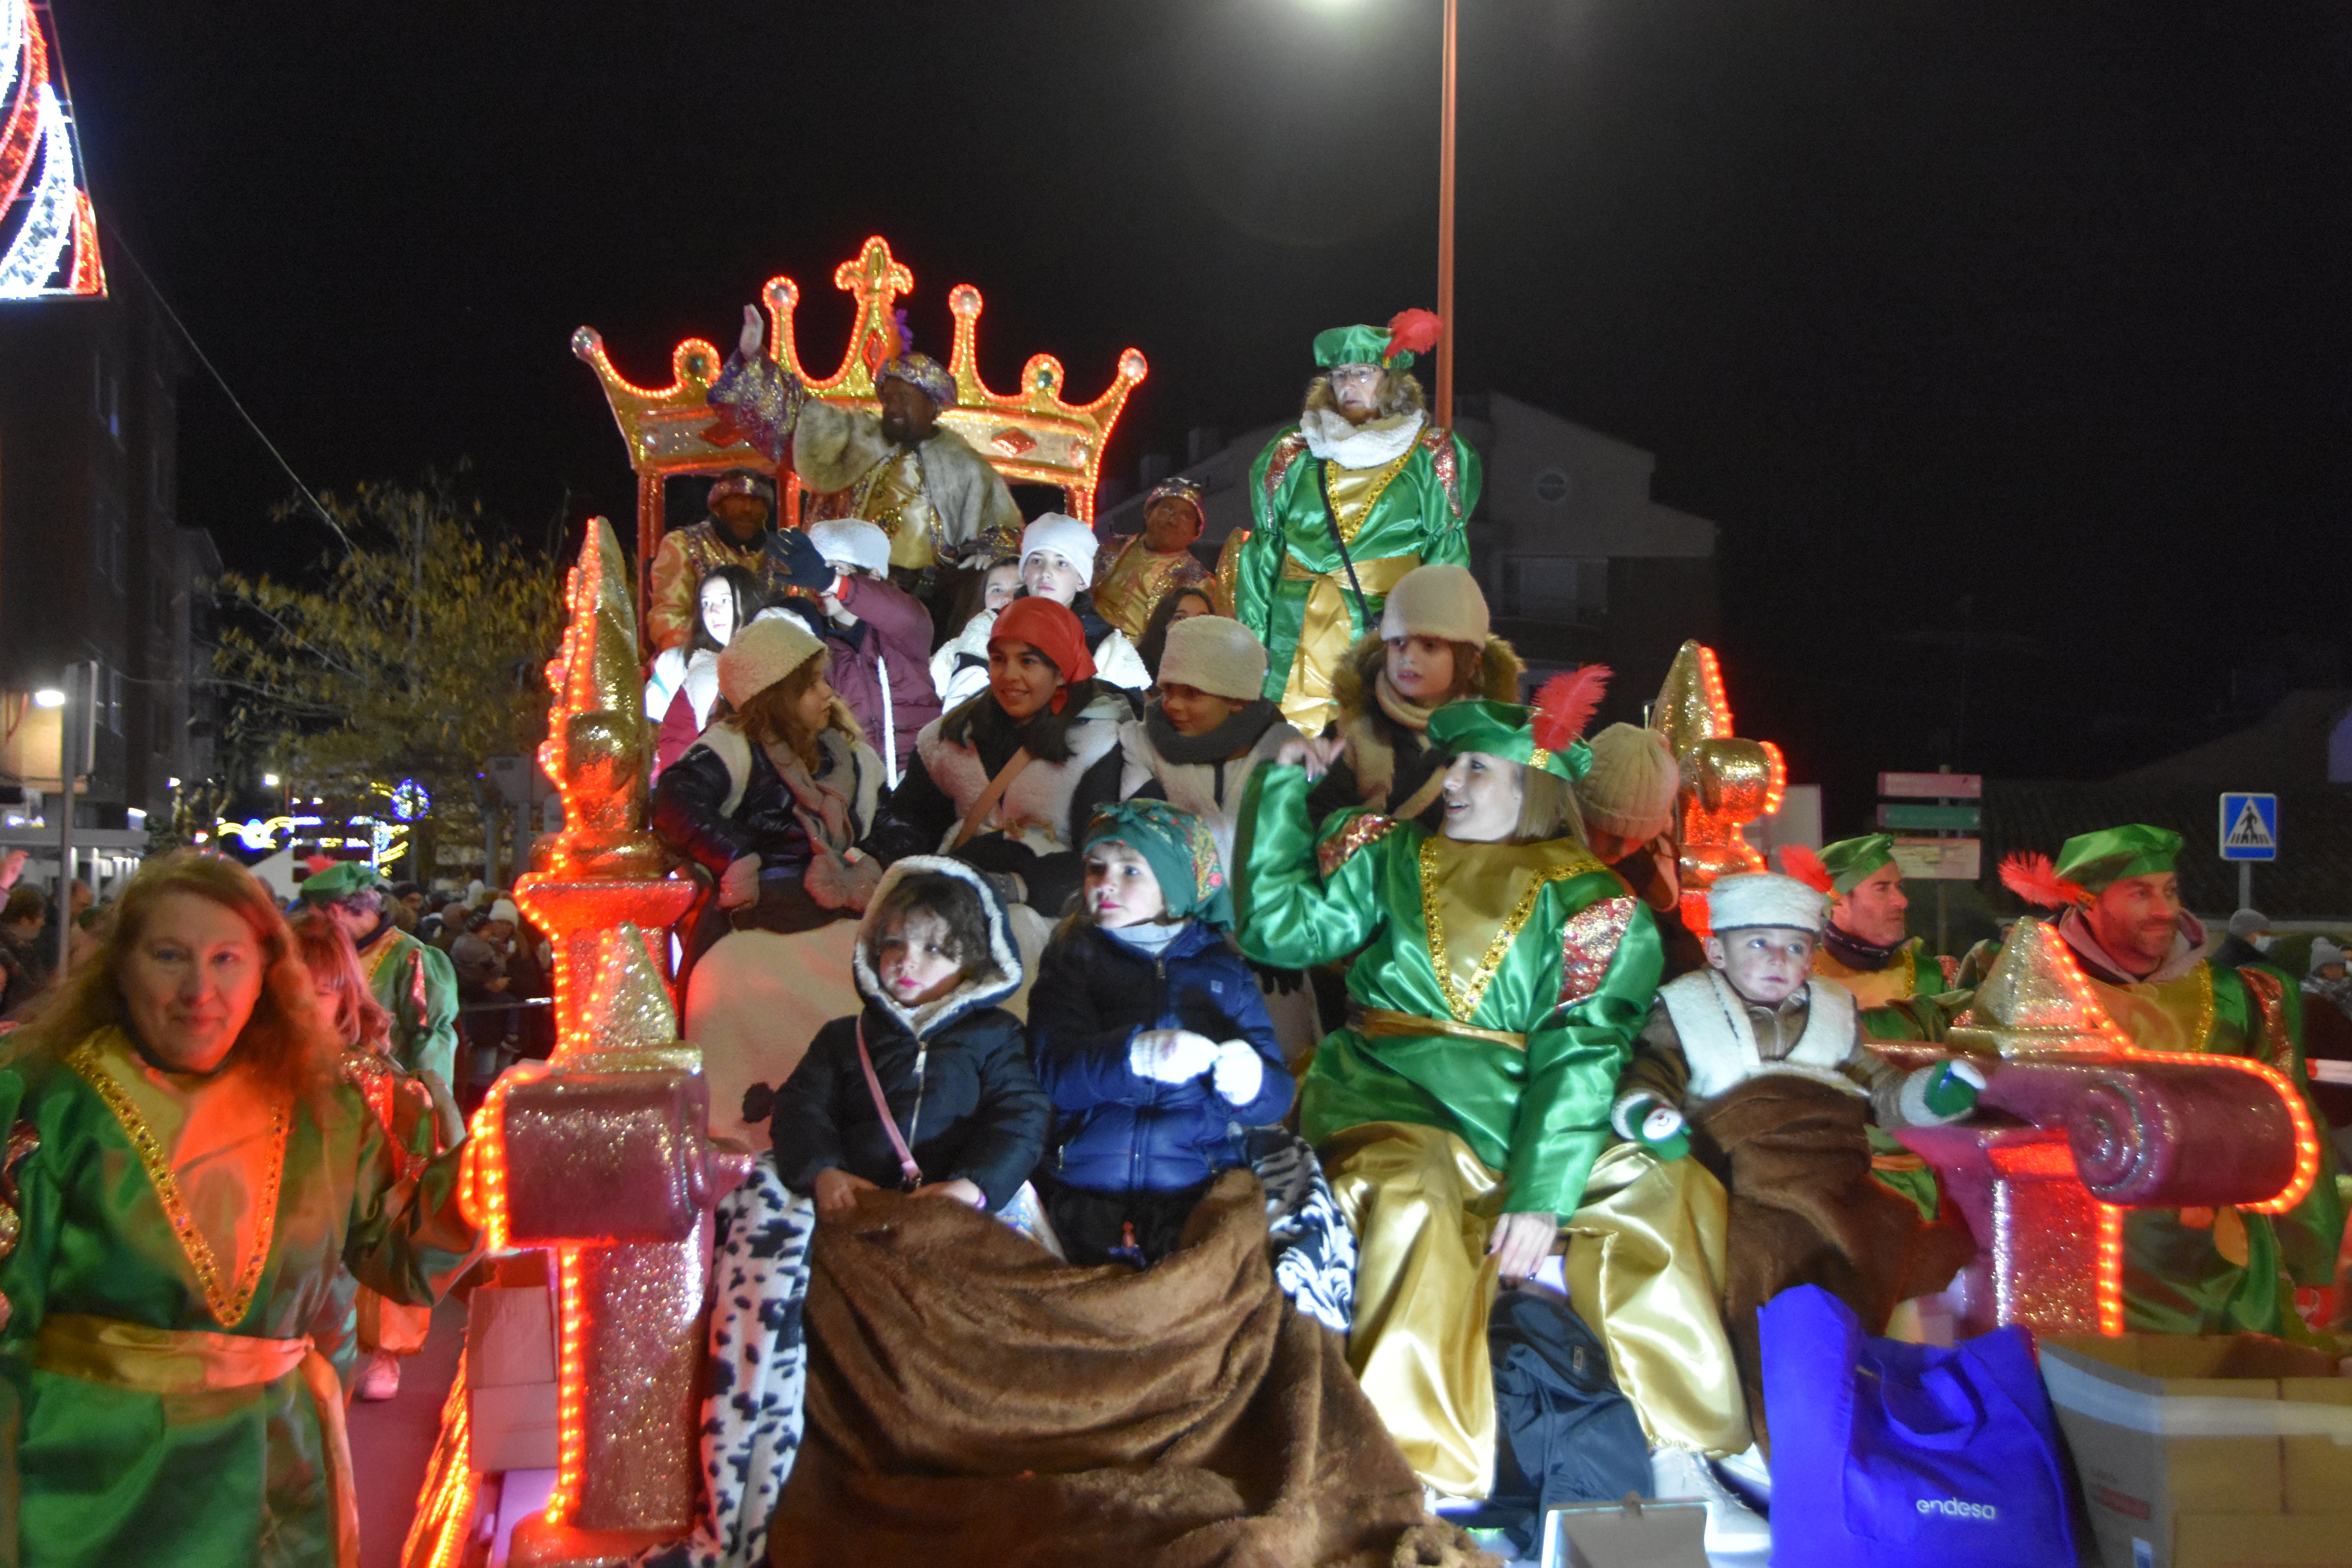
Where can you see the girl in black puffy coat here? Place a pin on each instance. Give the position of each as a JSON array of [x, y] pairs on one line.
[[1150, 1037], [934, 957]]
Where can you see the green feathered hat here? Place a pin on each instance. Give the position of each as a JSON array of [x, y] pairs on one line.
[[2093, 861], [1392, 347], [341, 880], [1849, 861], [1547, 736]]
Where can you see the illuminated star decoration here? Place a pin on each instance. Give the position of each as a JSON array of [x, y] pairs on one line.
[[48, 231]]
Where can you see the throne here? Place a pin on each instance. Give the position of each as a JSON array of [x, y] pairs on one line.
[[1031, 436]]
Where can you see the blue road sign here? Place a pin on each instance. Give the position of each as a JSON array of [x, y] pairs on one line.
[[2250, 828]]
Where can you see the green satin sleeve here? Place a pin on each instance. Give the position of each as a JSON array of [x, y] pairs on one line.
[[1574, 1058], [408, 1240], [1257, 564], [437, 1038], [1286, 913]]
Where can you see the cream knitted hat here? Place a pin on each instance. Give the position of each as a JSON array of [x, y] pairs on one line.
[[1631, 787], [1065, 536], [848, 539], [1763, 898], [1221, 657], [1436, 601], [763, 654]]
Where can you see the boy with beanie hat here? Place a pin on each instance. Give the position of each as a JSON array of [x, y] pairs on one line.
[[1630, 801], [2248, 940], [1058, 560], [1757, 1070]]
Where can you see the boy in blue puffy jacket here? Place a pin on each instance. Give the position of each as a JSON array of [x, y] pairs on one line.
[[1150, 1037]]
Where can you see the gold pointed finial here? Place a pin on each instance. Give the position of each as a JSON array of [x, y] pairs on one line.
[[1691, 706], [598, 740], [628, 1021], [2036, 1002]]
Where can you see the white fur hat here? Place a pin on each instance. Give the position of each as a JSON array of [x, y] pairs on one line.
[[504, 910], [763, 654], [1436, 601], [852, 539], [1221, 657], [1764, 899], [1064, 536]]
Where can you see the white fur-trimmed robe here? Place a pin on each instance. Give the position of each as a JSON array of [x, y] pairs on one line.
[[833, 448]]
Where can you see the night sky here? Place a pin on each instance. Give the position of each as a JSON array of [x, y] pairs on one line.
[[2031, 319]]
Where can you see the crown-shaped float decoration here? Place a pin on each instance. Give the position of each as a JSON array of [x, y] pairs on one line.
[[2035, 1001], [1727, 782], [1032, 435]]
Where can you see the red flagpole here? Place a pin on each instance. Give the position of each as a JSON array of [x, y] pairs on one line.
[[1446, 237]]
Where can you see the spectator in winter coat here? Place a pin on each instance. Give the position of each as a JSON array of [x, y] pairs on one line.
[[25, 966], [881, 636], [935, 956], [1058, 560], [1150, 1037]]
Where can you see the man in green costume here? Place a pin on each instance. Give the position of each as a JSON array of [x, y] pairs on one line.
[[1867, 947], [1501, 973], [1361, 490], [414, 980], [2185, 1272]]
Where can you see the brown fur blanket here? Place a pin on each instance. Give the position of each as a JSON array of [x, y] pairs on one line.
[[1794, 1155], [973, 1404]]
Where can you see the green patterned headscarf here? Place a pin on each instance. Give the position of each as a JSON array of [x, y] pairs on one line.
[[1849, 861], [2097, 860], [1182, 854]]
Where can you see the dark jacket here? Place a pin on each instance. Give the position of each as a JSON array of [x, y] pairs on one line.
[[955, 1075], [1116, 1131], [919, 814], [893, 637]]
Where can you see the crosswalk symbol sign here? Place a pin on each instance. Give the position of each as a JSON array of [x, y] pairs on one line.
[[2250, 828]]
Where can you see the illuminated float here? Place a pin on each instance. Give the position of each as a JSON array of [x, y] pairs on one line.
[[1727, 782]]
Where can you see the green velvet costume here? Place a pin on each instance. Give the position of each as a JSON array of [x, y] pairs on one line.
[[418, 987], [1575, 980], [107, 1473]]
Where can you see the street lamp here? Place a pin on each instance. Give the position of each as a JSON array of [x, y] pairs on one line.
[[269, 781], [48, 697]]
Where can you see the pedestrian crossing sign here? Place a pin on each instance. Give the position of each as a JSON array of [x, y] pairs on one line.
[[2250, 828]]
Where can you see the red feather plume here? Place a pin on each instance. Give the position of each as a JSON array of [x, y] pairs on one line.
[[2035, 878], [1416, 329], [1806, 867], [1567, 703]]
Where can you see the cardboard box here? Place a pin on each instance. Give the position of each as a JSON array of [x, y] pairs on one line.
[[510, 1378], [1622, 1535], [2207, 1452]]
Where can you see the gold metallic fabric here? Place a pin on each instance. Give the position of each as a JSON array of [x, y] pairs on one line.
[[1645, 1269], [146, 1359], [1423, 1208], [1475, 899], [1380, 1024], [1328, 630]]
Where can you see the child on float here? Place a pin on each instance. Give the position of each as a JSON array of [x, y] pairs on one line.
[[1179, 603], [1057, 560], [995, 585], [1205, 733], [1435, 645], [1758, 1070], [960, 1115], [683, 688], [1149, 1037], [1499, 975], [879, 636]]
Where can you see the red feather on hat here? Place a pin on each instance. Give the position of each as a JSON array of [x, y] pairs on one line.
[[1806, 867], [2035, 878], [1416, 329], [1565, 705]]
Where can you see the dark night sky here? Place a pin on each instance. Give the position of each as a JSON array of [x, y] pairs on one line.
[[2045, 308]]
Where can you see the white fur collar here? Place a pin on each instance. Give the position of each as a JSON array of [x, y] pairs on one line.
[[1330, 437], [983, 991]]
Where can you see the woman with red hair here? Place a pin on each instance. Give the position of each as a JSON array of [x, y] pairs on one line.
[[186, 1174]]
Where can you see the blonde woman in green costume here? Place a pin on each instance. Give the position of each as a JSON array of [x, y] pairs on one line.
[[186, 1170], [1501, 974]]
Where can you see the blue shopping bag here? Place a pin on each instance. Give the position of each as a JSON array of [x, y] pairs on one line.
[[1921, 1456]]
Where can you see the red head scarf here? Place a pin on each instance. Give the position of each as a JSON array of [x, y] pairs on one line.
[[1052, 629]]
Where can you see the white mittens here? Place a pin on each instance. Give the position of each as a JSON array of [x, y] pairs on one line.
[[1661, 1125], [1239, 1074], [1170, 1056]]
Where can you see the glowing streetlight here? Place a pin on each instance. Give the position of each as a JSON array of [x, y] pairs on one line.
[[48, 697], [269, 781]]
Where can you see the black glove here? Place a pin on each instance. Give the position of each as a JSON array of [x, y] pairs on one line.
[[1280, 982], [758, 1102], [791, 554]]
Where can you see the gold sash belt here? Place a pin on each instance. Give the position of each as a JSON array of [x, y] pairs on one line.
[[1378, 576], [191, 1361], [1380, 1024]]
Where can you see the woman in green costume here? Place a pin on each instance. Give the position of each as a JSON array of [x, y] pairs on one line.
[[1501, 974], [185, 1169]]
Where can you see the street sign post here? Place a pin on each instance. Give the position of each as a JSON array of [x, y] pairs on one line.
[[1927, 806], [1931, 787], [1930, 818], [2248, 832]]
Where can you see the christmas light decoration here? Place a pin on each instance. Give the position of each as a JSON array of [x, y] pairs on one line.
[[1727, 782], [48, 231]]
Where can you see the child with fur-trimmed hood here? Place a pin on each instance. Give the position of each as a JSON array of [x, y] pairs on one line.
[[1434, 647], [1759, 1071], [935, 956]]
